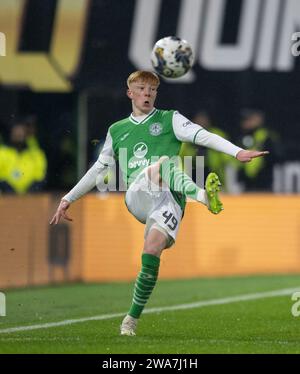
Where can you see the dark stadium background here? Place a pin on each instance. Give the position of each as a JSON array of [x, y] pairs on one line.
[[231, 282], [102, 72]]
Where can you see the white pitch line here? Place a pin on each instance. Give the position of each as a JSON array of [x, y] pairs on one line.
[[199, 304]]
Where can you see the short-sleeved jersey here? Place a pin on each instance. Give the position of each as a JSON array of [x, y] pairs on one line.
[[138, 144]]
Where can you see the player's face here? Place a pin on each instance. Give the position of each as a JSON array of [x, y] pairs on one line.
[[143, 95]]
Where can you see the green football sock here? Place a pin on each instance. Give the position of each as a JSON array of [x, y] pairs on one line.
[[144, 284], [178, 181]]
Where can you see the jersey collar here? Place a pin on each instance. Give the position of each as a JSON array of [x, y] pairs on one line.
[[142, 119]]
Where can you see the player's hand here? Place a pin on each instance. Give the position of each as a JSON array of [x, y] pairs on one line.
[[61, 212], [246, 156]]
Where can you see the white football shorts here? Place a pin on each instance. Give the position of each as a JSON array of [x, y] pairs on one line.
[[156, 209]]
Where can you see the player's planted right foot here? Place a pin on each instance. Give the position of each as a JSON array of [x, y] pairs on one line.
[[128, 326], [212, 186]]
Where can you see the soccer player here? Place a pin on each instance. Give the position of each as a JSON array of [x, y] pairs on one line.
[[157, 187]]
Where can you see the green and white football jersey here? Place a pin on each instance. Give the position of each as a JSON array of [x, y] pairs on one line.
[[137, 145], [139, 141]]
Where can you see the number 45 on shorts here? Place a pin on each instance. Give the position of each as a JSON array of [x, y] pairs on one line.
[[169, 217]]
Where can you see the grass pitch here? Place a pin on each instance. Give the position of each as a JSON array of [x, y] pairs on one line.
[[260, 325]]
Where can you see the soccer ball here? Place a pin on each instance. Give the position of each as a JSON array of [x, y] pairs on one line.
[[172, 57]]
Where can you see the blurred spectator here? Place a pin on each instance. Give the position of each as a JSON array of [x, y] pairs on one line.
[[254, 134], [214, 161], [188, 149], [31, 138], [67, 151], [22, 165], [1, 133]]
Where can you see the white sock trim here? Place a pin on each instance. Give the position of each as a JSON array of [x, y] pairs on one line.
[[202, 197]]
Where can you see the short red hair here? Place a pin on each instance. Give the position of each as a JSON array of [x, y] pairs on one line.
[[144, 76]]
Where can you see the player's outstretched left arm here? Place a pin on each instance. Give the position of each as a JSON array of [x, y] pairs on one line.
[[61, 212], [246, 156], [187, 131]]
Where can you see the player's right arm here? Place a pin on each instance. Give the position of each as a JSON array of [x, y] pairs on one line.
[[87, 182]]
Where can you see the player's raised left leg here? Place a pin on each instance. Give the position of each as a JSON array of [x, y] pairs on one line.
[[177, 180]]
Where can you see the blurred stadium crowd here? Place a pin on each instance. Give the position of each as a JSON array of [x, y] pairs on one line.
[[25, 155], [62, 84]]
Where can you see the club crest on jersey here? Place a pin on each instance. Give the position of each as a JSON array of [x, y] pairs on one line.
[[155, 129], [140, 150]]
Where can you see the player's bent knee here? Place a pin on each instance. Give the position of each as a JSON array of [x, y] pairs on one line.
[[153, 173], [162, 159], [153, 170], [156, 165]]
